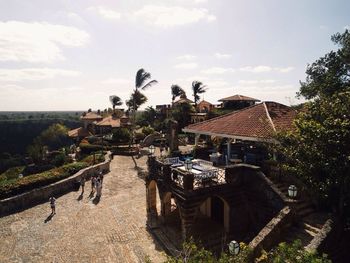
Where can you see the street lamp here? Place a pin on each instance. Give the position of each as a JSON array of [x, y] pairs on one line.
[[234, 247], [151, 149], [188, 164], [292, 191]]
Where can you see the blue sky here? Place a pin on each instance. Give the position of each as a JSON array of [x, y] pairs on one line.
[[72, 55]]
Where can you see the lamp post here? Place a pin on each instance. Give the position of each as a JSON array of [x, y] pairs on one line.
[[234, 247], [188, 164], [292, 191], [151, 150]]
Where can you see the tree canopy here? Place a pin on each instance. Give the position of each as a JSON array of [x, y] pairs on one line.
[[318, 150], [197, 88]]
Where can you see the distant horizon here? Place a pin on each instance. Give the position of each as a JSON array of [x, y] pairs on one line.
[[77, 53]]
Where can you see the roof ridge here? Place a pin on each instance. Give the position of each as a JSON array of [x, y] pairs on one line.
[[269, 117], [227, 114]]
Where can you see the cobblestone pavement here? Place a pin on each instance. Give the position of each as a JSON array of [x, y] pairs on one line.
[[112, 230]]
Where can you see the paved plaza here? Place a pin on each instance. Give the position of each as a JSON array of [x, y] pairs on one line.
[[112, 230]]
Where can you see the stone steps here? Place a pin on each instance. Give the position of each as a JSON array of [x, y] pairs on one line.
[[165, 242]]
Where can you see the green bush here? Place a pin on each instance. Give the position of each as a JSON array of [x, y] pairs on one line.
[[12, 173], [17, 186], [121, 135], [87, 148], [59, 159], [147, 130], [139, 136]]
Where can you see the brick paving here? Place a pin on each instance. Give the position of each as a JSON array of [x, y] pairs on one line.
[[112, 230]]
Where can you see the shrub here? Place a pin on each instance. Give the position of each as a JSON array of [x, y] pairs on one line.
[[139, 136], [12, 173], [17, 186], [121, 135], [147, 130], [59, 160], [87, 148]]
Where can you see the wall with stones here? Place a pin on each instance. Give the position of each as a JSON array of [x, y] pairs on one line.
[[42, 194]]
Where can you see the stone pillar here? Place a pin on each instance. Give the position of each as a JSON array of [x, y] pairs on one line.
[[229, 149], [187, 221], [173, 139]]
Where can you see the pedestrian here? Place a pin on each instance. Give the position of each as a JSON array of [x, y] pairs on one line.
[[98, 187], [101, 177], [93, 184], [53, 205], [82, 184]]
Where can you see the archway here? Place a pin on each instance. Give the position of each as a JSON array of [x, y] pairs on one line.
[[217, 209]]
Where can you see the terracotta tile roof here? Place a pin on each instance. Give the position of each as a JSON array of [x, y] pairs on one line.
[[109, 121], [204, 102], [78, 132], [260, 121], [183, 100], [91, 116], [238, 98]]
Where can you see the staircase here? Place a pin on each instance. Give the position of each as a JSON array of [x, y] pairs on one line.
[[310, 221]]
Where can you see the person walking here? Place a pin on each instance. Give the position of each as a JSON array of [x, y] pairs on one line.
[[98, 187], [93, 184], [101, 177], [53, 205], [82, 184]]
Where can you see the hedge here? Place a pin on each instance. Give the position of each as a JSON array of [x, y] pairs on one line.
[[17, 186]]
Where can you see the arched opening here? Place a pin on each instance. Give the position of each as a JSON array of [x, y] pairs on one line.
[[217, 210]]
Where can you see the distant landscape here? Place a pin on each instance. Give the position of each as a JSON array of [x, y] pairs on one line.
[[19, 128]]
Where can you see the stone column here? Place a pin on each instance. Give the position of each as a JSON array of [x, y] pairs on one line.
[[187, 221], [196, 138]]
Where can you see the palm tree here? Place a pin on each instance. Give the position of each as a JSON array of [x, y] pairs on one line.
[[115, 100], [142, 82], [198, 88], [176, 91]]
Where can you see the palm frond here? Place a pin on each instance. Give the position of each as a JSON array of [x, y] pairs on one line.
[[149, 84]]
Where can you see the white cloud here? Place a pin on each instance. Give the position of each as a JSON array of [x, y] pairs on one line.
[[117, 81], [256, 69], [222, 56], [37, 42], [169, 16], [260, 69], [284, 70], [35, 74], [256, 82], [186, 57], [218, 70], [105, 12], [186, 65]]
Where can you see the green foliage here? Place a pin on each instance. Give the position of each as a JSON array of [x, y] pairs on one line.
[[181, 113], [293, 253], [7, 161], [319, 148], [17, 135], [121, 135], [197, 88], [59, 159], [218, 112], [176, 91], [284, 253], [147, 130], [115, 101], [87, 148], [11, 173], [147, 117], [329, 74], [17, 186]]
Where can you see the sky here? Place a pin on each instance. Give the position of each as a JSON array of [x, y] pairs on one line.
[[72, 55]]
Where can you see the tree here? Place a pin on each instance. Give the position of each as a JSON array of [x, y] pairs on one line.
[[197, 88], [142, 82], [182, 114], [318, 151], [147, 117], [115, 100], [176, 91]]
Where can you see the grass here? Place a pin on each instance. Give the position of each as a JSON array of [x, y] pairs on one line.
[[11, 173]]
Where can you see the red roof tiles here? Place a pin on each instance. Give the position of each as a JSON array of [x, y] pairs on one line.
[[260, 121]]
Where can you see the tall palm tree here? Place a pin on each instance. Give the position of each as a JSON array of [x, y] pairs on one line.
[[115, 100], [176, 91], [142, 82], [198, 88]]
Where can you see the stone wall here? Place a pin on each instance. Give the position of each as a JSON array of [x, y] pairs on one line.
[[271, 233], [42, 194]]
